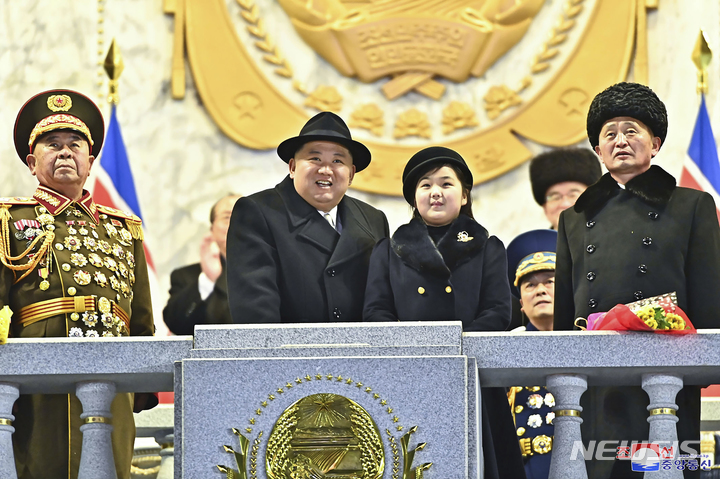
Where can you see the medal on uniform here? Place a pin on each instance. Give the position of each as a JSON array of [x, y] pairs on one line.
[[89, 318], [95, 260], [123, 269], [104, 246], [130, 259], [549, 400], [90, 243], [114, 283], [131, 277], [82, 277], [71, 230], [94, 233], [83, 231], [534, 421], [78, 259], [125, 237], [72, 243], [111, 230], [118, 252], [535, 401], [110, 264], [100, 279], [44, 284]]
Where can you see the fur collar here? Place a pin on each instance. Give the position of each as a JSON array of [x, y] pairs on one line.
[[412, 243], [654, 187]]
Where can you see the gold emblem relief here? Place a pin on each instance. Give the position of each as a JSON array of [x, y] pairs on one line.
[[414, 50], [368, 117], [412, 123], [325, 98], [59, 103], [458, 115]]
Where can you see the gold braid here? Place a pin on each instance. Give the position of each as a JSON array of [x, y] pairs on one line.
[[5, 256]]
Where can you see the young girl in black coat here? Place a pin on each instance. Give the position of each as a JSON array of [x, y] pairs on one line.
[[443, 265]]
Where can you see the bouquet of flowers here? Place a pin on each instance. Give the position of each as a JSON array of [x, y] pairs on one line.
[[659, 314]]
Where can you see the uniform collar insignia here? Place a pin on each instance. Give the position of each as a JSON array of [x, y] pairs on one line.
[[56, 203], [655, 187]]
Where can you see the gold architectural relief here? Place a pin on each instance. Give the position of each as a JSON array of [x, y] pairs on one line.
[[251, 14], [458, 115], [411, 41], [412, 122], [325, 98], [239, 456], [558, 35], [367, 40], [368, 117]]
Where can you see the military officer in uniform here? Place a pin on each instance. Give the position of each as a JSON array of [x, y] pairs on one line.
[[70, 268], [632, 235], [531, 270]]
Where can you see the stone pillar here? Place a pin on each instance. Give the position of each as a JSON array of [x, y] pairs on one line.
[[96, 459], [662, 389], [568, 461], [166, 439], [9, 392]]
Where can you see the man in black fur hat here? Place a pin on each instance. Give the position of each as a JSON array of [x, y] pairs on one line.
[[300, 252], [632, 235], [559, 176]]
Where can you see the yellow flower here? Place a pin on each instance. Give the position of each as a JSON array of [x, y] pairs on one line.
[[651, 322], [676, 322]]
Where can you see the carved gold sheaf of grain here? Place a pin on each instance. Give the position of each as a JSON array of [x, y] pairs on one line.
[[412, 122], [558, 35], [368, 117], [256, 26], [325, 98], [458, 115]]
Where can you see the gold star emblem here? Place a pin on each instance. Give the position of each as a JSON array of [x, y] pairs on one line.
[[399, 428], [383, 402], [359, 384], [318, 376], [252, 420], [308, 378], [288, 385], [339, 378], [389, 410], [376, 396], [258, 412], [280, 390], [248, 429], [271, 397], [329, 377], [349, 381], [396, 419], [298, 380], [367, 390], [263, 404]]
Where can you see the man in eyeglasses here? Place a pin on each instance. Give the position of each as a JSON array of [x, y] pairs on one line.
[[559, 176]]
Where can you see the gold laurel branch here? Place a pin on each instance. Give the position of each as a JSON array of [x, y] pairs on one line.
[[558, 36], [396, 455], [253, 456], [251, 14]]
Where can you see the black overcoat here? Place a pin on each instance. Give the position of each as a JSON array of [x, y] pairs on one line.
[[463, 277], [620, 245], [287, 264], [412, 279], [185, 308]]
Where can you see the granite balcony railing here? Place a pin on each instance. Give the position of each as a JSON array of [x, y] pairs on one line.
[[567, 362]]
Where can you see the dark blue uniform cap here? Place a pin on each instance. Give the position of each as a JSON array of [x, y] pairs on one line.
[[523, 247]]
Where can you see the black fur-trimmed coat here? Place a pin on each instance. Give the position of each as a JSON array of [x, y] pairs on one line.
[[616, 246], [463, 277]]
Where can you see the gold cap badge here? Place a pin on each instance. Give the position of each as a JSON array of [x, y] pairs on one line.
[[59, 102]]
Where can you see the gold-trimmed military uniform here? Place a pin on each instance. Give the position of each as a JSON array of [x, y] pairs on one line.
[[85, 275]]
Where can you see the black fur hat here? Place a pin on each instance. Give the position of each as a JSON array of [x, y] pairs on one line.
[[627, 99], [564, 164]]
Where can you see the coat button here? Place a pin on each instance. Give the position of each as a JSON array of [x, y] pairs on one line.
[[638, 295], [647, 241], [590, 276], [337, 313], [590, 223], [652, 215], [331, 272], [421, 290], [592, 303], [642, 268], [448, 289], [590, 248]]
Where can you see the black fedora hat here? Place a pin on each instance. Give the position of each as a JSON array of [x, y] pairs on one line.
[[530, 252], [421, 162], [58, 110], [326, 126]]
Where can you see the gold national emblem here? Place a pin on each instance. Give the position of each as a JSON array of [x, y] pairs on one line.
[[323, 436], [82, 277], [59, 102]]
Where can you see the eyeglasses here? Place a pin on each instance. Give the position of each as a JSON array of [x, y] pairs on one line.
[[557, 197]]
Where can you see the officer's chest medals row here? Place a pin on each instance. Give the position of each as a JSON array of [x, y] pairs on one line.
[[535, 401], [87, 247]]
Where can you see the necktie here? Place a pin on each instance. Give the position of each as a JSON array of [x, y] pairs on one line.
[[329, 219]]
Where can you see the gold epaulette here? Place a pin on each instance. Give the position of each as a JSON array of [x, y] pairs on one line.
[[18, 200], [134, 223]]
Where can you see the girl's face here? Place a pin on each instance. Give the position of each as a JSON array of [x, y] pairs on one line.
[[439, 196]]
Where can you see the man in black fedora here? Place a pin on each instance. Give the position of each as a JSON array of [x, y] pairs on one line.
[[299, 252]]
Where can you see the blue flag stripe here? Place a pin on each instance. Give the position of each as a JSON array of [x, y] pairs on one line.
[[703, 150], [114, 161]]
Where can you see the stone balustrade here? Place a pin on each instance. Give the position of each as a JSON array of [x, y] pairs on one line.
[[566, 361]]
